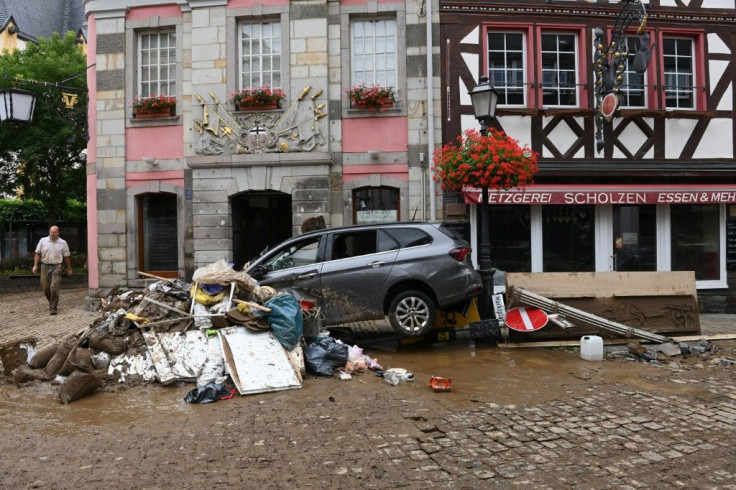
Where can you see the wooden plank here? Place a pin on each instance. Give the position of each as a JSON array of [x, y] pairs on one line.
[[604, 284], [252, 305]]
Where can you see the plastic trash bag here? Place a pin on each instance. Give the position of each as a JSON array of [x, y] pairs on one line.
[[286, 320], [211, 392], [324, 355]]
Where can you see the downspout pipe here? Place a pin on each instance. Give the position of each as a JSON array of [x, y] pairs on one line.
[[430, 113]]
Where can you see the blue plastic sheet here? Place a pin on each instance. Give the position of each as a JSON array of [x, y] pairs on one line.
[[285, 320]]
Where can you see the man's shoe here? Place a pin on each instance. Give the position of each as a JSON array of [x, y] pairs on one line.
[[52, 312]]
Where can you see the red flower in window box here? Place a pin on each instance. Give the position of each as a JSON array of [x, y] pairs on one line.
[[154, 106], [373, 97], [258, 98]]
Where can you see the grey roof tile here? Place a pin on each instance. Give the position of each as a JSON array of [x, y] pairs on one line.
[[41, 18]]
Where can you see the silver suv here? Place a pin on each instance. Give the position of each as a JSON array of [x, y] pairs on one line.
[[403, 270]]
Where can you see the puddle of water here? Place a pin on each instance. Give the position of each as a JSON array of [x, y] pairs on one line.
[[101, 409], [518, 375]]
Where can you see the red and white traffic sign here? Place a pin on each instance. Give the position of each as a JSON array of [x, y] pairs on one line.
[[526, 319]]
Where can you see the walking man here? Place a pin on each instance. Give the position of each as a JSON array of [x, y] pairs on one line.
[[51, 252]]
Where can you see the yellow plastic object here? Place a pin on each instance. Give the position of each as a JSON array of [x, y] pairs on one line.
[[445, 321], [207, 299], [136, 318]]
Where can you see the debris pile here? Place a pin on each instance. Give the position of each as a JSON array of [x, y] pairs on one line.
[[222, 330], [703, 354]]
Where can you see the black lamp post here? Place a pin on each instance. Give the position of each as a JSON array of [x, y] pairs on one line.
[[484, 99], [16, 106]]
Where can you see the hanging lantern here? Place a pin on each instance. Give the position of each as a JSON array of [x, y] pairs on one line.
[[16, 106]]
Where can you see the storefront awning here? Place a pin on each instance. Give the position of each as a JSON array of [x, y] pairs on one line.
[[607, 194]]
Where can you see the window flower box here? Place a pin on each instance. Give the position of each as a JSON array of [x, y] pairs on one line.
[[154, 106], [261, 98], [372, 98]]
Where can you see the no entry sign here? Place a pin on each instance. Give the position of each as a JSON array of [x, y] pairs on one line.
[[526, 319]]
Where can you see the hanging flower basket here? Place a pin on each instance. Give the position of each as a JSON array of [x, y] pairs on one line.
[[260, 98], [494, 160], [372, 98], [155, 106]]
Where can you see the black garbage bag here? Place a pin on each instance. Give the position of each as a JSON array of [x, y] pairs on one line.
[[323, 355], [211, 392]]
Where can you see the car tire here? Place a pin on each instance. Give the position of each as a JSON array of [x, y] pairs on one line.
[[411, 313]]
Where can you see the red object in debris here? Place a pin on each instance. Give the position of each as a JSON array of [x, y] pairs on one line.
[[526, 319], [307, 305], [440, 384]]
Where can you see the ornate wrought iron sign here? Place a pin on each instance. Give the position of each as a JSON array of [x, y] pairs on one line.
[[611, 61]]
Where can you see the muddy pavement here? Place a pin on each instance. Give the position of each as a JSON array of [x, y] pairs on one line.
[[525, 418]]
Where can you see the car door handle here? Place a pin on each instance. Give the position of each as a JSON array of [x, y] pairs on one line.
[[377, 263], [308, 275]]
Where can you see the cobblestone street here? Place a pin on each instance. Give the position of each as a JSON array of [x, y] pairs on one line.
[[518, 418], [587, 440]]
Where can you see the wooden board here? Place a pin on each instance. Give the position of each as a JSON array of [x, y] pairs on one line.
[[604, 284], [660, 302]]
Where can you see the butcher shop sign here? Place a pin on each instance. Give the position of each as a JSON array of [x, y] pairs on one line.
[[607, 194]]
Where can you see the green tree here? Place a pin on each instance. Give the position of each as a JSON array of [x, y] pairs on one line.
[[44, 160]]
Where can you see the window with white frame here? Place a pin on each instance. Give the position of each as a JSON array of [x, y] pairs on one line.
[[506, 68], [632, 91], [374, 52], [679, 74], [156, 64], [260, 54], [559, 70]]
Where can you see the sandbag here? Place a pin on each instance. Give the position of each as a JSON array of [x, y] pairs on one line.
[[25, 373], [43, 356], [59, 357], [78, 359], [16, 353], [112, 345], [79, 384]]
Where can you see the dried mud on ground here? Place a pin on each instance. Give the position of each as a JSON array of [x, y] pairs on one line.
[[527, 418]]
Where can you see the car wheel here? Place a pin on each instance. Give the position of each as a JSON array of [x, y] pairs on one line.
[[411, 313]]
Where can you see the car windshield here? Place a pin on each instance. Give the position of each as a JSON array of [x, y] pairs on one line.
[[295, 255]]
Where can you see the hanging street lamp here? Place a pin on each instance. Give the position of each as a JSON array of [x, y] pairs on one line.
[[484, 99], [16, 106]]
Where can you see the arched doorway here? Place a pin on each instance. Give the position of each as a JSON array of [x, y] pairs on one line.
[[261, 219]]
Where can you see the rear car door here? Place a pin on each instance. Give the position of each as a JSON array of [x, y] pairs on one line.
[[295, 268], [354, 279]]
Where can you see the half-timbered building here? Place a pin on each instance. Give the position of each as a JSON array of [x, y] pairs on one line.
[[661, 193]]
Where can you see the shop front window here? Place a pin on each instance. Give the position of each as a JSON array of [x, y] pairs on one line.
[[568, 235], [634, 238], [376, 205], [695, 240], [510, 238]]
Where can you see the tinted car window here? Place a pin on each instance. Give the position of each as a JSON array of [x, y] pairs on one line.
[[386, 242], [295, 255], [354, 244], [410, 237]]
